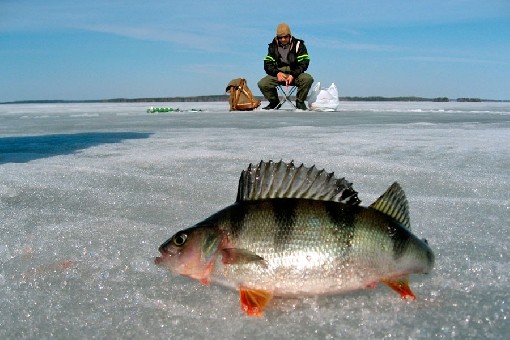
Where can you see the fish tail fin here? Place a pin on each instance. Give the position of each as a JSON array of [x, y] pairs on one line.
[[253, 301], [401, 286]]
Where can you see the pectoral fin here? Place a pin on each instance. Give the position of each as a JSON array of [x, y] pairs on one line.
[[239, 256], [401, 286], [253, 301]]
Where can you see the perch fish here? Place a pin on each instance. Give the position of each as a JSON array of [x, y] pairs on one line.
[[298, 231]]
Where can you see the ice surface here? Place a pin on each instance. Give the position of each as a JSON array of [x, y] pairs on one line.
[[89, 191]]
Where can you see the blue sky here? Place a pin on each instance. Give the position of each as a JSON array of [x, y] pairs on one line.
[[98, 49]]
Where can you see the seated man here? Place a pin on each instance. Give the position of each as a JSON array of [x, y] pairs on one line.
[[286, 62]]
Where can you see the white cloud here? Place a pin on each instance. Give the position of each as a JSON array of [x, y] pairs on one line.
[[181, 37], [453, 60], [340, 44]]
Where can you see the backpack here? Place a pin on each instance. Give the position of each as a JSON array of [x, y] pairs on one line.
[[241, 98]]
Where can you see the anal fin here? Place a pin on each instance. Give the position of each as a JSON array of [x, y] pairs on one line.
[[401, 286], [253, 301]]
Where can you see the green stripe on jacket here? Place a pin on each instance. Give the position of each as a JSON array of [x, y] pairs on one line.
[[303, 57]]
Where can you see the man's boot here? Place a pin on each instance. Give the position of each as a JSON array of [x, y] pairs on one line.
[[272, 106], [301, 105]]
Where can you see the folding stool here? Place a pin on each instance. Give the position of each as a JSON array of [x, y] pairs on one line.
[[286, 96]]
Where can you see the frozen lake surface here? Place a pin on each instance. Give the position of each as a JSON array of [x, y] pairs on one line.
[[88, 192]]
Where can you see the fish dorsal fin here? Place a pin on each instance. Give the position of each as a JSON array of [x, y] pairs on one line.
[[269, 180], [394, 204]]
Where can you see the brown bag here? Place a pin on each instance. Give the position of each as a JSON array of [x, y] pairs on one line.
[[241, 98]]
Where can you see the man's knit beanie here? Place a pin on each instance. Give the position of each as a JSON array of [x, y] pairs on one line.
[[282, 29]]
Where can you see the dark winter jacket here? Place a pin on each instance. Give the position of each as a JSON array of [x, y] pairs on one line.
[[298, 58]]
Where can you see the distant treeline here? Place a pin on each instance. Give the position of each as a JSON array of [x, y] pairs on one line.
[[392, 99], [474, 100], [224, 98], [213, 98], [411, 99]]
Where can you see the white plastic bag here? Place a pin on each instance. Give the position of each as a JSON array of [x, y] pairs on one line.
[[323, 99]]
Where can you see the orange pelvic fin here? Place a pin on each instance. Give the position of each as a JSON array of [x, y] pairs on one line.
[[401, 286], [205, 281], [253, 301]]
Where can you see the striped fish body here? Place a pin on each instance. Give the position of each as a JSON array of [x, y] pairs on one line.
[[313, 247], [300, 234]]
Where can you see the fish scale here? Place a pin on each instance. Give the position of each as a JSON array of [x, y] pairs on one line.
[[298, 231], [309, 243]]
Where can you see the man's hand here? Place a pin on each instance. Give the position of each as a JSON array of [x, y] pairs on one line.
[[289, 80], [282, 77]]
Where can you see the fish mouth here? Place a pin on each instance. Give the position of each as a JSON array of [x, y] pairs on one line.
[[159, 260], [165, 255]]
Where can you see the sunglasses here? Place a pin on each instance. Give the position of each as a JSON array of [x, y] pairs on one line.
[[283, 37]]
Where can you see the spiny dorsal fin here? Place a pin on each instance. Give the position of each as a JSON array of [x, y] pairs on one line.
[[284, 180], [394, 204]]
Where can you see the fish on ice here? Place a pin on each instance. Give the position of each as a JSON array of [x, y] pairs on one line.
[[297, 231]]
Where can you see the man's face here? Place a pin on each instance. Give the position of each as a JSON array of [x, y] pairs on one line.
[[283, 39]]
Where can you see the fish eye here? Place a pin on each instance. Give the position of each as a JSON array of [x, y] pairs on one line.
[[425, 240], [180, 239]]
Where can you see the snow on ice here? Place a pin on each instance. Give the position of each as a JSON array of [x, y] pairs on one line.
[[89, 191]]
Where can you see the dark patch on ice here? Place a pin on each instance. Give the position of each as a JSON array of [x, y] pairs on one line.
[[24, 149]]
